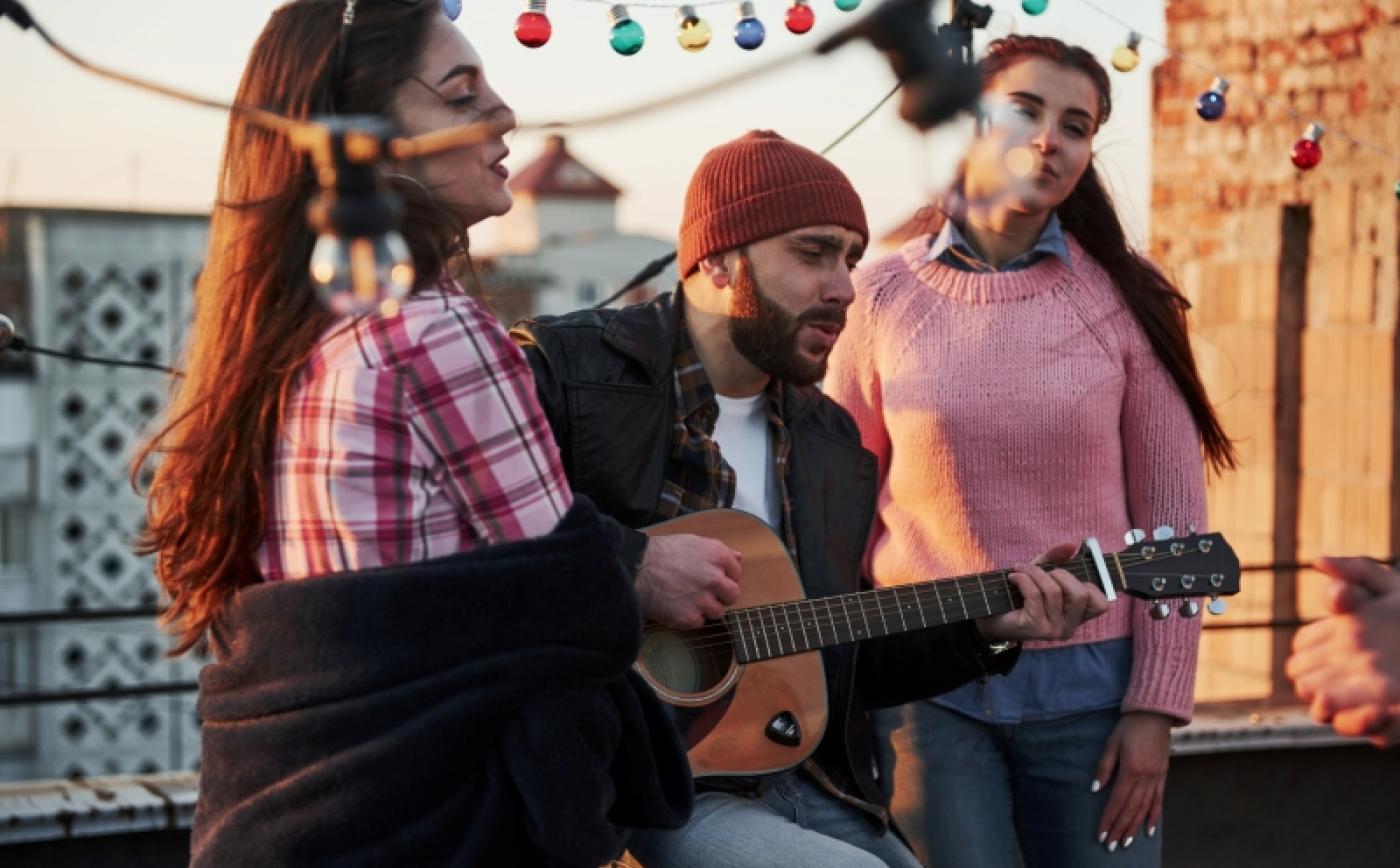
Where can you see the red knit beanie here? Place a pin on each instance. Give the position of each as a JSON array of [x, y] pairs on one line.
[[758, 186]]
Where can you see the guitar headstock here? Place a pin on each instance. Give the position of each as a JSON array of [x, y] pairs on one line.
[[1168, 566]]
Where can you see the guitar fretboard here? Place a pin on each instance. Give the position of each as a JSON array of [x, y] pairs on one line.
[[778, 630]]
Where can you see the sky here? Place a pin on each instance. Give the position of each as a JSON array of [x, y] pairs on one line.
[[70, 138]]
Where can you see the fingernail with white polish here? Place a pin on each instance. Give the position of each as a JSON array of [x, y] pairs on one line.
[[1102, 835], [1151, 831], [1095, 787], [1112, 845], [1128, 843]]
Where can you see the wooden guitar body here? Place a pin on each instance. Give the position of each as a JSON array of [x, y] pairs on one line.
[[738, 719]]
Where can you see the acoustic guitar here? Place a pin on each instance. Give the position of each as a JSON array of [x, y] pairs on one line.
[[748, 691]]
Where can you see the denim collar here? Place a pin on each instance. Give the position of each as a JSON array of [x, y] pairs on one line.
[[951, 249]]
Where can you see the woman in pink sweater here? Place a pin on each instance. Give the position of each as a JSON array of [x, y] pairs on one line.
[[1024, 377]]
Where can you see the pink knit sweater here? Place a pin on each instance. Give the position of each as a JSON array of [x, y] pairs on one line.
[[1011, 411]]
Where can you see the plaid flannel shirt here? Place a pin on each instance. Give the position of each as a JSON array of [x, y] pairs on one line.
[[697, 476], [410, 437]]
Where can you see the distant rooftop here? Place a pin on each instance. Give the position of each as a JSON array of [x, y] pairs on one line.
[[556, 172]]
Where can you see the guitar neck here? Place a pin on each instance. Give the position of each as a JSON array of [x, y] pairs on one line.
[[778, 630]]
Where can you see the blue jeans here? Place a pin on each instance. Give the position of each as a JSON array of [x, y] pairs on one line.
[[792, 823], [965, 793]]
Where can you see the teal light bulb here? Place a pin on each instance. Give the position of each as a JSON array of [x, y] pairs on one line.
[[1034, 7], [848, 5], [627, 37]]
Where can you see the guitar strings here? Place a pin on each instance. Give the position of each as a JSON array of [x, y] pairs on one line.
[[771, 631], [951, 595], [779, 629], [947, 593], [774, 621]]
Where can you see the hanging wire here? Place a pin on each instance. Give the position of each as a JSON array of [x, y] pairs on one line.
[[98, 360], [307, 134], [126, 693]]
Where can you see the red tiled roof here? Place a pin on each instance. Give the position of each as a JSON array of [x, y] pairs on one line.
[[557, 173]]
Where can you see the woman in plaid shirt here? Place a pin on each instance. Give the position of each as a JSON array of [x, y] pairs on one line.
[[303, 443]]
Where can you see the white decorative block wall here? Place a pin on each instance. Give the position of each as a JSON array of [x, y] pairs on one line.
[[117, 285]]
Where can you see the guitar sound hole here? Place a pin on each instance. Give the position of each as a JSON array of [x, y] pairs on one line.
[[687, 661]]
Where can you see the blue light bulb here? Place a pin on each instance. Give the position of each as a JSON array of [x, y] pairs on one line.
[[1211, 104], [749, 32]]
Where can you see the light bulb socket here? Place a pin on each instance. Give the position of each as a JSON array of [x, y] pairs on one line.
[[1220, 85], [746, 9], [1134, 39], [1314, 132], [798, 3], [685, 14], [536, 6], [618, 14]]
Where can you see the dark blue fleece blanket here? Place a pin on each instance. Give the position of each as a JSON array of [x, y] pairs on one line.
[[478, 709]]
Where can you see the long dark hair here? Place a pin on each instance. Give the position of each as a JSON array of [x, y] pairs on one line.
[[256, 316], [1088, 214]]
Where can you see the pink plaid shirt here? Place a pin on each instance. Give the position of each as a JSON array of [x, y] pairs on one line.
[[410, 437]]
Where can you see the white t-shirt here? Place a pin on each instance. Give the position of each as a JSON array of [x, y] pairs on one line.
[[742, 434]]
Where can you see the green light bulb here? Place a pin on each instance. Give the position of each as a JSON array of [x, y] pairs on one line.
[[848, 5], [1034, 7], [627, 36]]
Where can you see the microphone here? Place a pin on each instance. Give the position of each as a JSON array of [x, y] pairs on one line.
[[17, 12], [8, 339], [939, 80]]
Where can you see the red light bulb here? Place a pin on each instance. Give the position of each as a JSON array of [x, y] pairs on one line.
[[799, 18], [1307, 152], [532, 28]]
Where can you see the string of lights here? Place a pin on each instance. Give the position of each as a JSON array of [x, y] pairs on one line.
[[533, 29], [1211, 105], [360, 268], [694, 34]]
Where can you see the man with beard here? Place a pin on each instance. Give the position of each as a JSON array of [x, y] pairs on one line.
[[705, 398]]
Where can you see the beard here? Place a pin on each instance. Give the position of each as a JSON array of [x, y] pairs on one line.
[[767, 335]]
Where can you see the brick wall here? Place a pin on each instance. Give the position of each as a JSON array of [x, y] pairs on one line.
[[1294, 280]]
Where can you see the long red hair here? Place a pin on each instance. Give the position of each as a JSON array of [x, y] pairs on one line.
[[256, 316]]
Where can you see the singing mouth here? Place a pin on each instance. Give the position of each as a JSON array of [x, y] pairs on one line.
[[498, 166]]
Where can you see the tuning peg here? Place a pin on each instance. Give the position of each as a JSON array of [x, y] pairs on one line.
[[1162, 532], [1189, 609], [1160, 611], [1134, 536], [1216, 605]]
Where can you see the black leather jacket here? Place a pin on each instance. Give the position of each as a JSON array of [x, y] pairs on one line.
[[605, 379]]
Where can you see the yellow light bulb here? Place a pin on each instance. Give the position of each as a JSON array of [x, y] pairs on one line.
[[694, 34], [1125, 59]]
